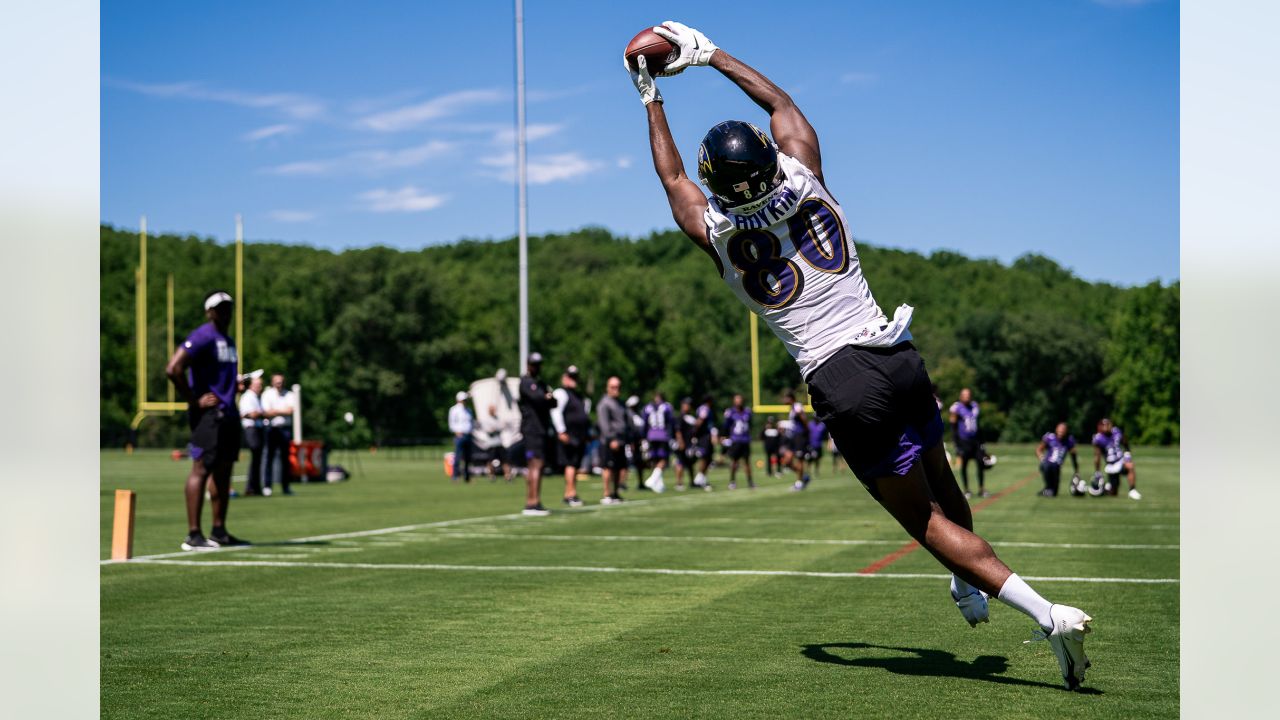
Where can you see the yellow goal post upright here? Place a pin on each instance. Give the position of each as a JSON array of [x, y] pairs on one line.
[[758, 405], [169, 405]]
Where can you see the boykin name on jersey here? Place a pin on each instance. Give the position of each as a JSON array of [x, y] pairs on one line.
[[793, 263]]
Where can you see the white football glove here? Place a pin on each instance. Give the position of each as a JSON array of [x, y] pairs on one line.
[[695, 49], [644, 82]]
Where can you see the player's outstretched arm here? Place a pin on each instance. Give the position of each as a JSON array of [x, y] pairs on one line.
[[687, 201], [793, 133], [688, 204]]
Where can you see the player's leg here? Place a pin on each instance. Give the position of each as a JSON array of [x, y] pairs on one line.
[[1133, 481], [963, 452], [703, 464], [981, 466], [195, 487]]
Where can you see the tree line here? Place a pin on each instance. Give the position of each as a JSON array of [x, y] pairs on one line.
[[391, 335]]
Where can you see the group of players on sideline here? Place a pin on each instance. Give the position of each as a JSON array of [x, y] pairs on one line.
[[628, 437]]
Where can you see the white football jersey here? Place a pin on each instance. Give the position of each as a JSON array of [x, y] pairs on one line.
[[793, 263]]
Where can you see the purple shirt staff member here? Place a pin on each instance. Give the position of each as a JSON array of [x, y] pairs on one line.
[[203, 371], [737, 425], [964, 422], [779, 240]]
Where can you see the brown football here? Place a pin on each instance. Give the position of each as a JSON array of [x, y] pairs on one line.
[[655, 48]]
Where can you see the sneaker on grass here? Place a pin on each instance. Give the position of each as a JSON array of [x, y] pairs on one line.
[[535, 511], [222, 538], [1066, 638], [197, 541], [573, 502]]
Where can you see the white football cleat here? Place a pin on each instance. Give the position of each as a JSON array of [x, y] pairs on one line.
[[1066, 639], [699, 480], [655, 483], [1134, 494], [973, 607]]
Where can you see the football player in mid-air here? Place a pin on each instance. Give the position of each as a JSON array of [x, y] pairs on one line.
[[779, 239]]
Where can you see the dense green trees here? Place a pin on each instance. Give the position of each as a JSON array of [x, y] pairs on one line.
[[391, 335]]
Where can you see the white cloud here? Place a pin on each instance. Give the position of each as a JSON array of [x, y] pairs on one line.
[[536, 131], [295, 105], [366, 161], [405, 157], [291, 216], [624, 162], [406, 199], [859, 78], [414, 115], [263, 133], [305, 167], [542, 169]]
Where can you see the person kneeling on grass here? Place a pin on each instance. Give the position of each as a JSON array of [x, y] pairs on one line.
[[1052, 453]]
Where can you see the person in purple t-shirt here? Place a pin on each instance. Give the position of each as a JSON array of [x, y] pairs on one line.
[[1111, 454], [1052, 453], [964, 425], [817, 435], [659, 422], [737, 426], [203, 371]]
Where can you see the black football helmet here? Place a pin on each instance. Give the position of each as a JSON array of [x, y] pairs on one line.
[[738, 163]]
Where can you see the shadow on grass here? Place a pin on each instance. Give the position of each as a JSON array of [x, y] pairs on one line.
[[921, 661]]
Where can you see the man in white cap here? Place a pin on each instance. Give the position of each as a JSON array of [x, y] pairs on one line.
[[572, 421], [460, 424], [203, 370], [251, 418]]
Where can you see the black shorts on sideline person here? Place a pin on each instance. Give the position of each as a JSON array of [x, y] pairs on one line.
[[215, 435]]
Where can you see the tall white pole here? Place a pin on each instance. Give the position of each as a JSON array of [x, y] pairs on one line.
[[523, 210]]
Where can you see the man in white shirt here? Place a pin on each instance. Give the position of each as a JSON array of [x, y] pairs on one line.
[[277, 409], [460, 424], [251, 415]]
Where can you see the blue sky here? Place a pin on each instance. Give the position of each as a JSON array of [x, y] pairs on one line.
[[991, 128]]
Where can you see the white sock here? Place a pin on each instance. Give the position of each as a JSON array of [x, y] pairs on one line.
[[960, 588], [1019, 595]]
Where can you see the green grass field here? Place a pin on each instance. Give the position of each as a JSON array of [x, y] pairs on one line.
[[451, 606]]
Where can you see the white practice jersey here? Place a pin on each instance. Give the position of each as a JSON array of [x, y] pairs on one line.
[[793, 263]]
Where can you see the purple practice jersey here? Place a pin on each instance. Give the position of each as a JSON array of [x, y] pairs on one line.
[[658, 421], [738, 423], [966, 419], [1111, 446], [213, 365], [817, 433], [1057, 449]]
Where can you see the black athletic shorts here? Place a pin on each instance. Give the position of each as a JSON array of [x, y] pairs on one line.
[[814, 453], [215, 435], [701, 448], [969, 448], [615, 458], [740, 451], [799, 442], [569, 454], [879, 408], [544, 450]]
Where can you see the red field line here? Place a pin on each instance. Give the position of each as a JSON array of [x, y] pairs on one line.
[[912, 546]]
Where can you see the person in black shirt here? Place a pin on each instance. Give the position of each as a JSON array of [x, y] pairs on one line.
[[536, 402], [573, 430]]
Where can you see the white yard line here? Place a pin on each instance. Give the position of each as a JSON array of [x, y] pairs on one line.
[[775, 541], [438, 524], [623, 571]]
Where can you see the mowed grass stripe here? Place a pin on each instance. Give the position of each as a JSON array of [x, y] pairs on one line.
[[618, 570]]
